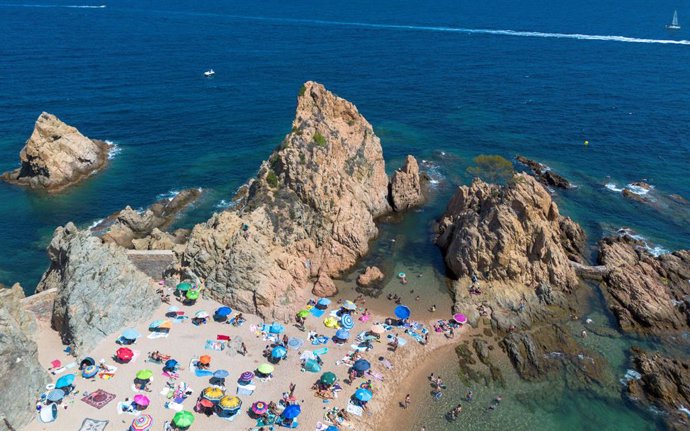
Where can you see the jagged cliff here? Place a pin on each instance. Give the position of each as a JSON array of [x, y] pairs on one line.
[[99, 291], [21, 376], [56, 156], [308, 216]]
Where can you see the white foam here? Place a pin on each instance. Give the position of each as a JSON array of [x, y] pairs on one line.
[[655, 251], [495, 32], [69, 6], [96, 223], [638, 190], [434, 172], [613, 187], [684, 410], [169, 195], [114, 150], [223, 204]]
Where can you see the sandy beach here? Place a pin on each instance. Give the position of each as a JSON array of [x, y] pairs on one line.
[[187, 341]]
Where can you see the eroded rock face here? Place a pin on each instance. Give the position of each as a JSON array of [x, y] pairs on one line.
[[646, 293], [57, 156], [544, 174], [310, 211], [406, 186], [99, 291], [20, 372], [371, 275], [126, 226], [665, 383]]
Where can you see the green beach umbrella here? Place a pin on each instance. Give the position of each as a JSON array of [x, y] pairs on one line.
[[144, 374], [303, 313], [192, 294], [183, 419], [328, 378], [265, 368], [184, 286]]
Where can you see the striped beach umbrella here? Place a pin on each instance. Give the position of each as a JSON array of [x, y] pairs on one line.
[[142, 423], [259, 408], [89, 371], [347, 322], [247, 376]]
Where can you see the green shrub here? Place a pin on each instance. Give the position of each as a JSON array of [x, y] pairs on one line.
[[319, 139], [272, 179], [492, 168], [302, 90]]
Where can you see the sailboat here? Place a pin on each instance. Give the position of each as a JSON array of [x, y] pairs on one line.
[[674, 24]]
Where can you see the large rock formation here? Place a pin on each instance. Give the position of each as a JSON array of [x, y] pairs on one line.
[[371, 275], [544, 174], [646, 293], [513, 239], [665, 383], [126, 226], [406, 186], [56, 156], [20, 372], [99, 291], [309, 213]]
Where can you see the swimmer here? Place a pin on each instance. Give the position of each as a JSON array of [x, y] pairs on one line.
[[433, 308], [468, 397]]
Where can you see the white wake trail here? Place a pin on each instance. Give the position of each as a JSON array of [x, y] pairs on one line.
[[69, 6]]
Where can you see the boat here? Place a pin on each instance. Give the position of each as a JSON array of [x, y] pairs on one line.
[[674, 23], [209, 72]]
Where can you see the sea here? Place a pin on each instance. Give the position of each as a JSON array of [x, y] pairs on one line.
[[597, 91]]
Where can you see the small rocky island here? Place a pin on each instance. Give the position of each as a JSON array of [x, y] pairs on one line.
[[57, 156]]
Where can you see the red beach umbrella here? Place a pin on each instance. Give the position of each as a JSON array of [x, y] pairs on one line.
[[124, 354]]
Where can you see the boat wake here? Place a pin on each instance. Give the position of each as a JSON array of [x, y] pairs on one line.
[[514, 33], [69, 6]]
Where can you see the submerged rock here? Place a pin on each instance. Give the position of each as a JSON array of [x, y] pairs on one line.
[[57, 156], [371, 275], [309, 213], [406, 186], [665, 383], [647, 294], [21, 375], [544, 174], [99, 291]]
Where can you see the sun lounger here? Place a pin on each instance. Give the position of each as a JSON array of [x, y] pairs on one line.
[[245, 389], [355, 410], [154, 335]]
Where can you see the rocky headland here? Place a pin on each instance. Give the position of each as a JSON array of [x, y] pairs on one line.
[[544, 174], [57, 156]]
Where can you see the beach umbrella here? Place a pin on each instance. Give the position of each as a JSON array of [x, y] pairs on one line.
[[460, 318], [155, 324], [86, 362], [328, 378], [131, 334], [259, 408], [206, 403], [142, 423], [165, 325], [295, 343], [303, 313], [183, 419], [212, 393], [142, 400], [173, 309], [192, 295], [276, 328], [265, 368], [65, 381], [278, 352], [230, 402], [247, 376], [349, 305], [184, 286], [363, 395], [89, 371], [402, 312], [171, 364], [221, 374], [223, 311], [312, 366], [332, 428], [378, 329], [144, 374], [124, 354], [205, 360], [55, 395], [347, 322], [361, 365], [324, 302], [292, 411], [342, 334], [201, 314]]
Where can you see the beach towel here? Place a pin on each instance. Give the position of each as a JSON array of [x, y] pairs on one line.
[[321, 351], [221, 337], [59, 370], [176, 407], [355, 410], [125, 407], [98, 399], [359, 347], [386, 363], [93, 425], [154, 335], [316, 312], [375, 375], [214, 345], [71, 365]]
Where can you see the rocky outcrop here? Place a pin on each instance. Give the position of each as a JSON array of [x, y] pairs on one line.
[[515, 241], [99, 291], [406, 186], [371, 275], [324, 286], [544, 174], [665, 383], [57, 156], [126, 226], [20, 372], [309, 213], [647, 294]]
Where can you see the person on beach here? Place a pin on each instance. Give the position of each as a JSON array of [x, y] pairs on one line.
[[469, 395], [408, 401], [433, 308], [243, 349]]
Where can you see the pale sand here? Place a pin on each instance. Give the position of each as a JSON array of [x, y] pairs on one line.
[[187, 341]]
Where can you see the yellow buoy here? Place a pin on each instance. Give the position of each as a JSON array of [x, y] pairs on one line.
[[586, 142]]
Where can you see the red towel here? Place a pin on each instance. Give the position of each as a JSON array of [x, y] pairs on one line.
[[180, 313], [221, 337], [56, 363]]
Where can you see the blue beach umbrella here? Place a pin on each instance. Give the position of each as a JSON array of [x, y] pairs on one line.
[[363, 395], [361, 365], [312, 366], [347, 322], [292, 411], [278, 352], [55, 395], [342, 334], [64, 381], [324, 302], [332, 428], [276, 328], [171, 364], [156, 323], [131, 334], [402, 312], [221, 374], [223, 311]]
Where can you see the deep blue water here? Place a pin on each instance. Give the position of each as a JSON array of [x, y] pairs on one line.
[[132, 73]]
